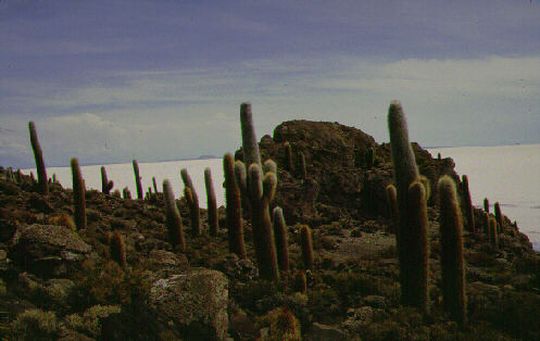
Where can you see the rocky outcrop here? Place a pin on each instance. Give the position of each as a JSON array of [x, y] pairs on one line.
[[193, 305]]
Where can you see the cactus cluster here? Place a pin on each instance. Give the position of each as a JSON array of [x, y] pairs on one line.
[[79, 195], [43, 184]]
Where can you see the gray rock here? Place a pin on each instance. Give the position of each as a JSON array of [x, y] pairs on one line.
[[48, 250], [358, 318], [193, 305]]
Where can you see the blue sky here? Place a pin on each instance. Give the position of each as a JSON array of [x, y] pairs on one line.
[[110, 81]]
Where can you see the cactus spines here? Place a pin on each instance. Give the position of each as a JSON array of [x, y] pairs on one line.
[[303, 167], [280, 235], [427, 185], [261, 192], [118, 249], [250, 147], [467, 204], [38, 156], [270, 166], [498, 217], [211, 202], [174, 221], [306, 240], [289, 164], [106, 184], [193, 202], [405, 172], [137, 179], [486, 205], [418, 249], [493, 234], [452, 262], [393, 211], [79, 195], [154, 183], [234, 209]]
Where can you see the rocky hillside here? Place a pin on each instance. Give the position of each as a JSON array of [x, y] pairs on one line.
[[57, 282]]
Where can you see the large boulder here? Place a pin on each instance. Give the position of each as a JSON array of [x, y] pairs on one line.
[[48, 250], [193, 305]]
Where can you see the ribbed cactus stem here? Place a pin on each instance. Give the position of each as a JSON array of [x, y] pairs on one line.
[[306, 240], [261, 193], [418, 248], [498, 217], [106, 184], [240, 174], [211, 203], [405, 172], [393, 211], [452, 262], [303, 166], [289, 164], [486, 205], [79, 195], [118, 249], [38, 156], [467, 204], [281, 238], [234, 209], [250, 146], [154, 183], [174, 221], [193, 202], [138, 179]]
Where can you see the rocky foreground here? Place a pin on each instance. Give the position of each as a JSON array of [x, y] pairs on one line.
[[57, 282]]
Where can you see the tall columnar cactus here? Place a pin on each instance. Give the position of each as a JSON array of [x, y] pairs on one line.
[[427, 185], [175, 229], [467, 204], [405, 173], [118, 249], [250, 147], [393, 211], [154, 183], [106, 184], [261, 193], [138, 180], [193, 202], [306, 240], [486, 205], [452, 262], [234, 208], [38, 156], [240, 174], [281, 238], [79, 195], [211, 203], [493, 234], [498, 217], [270, 166], [370, 157], [303, 166], [418, 266], [486, 225], [289, 164]]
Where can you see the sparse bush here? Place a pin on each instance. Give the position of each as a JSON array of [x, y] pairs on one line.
[[35, 324]]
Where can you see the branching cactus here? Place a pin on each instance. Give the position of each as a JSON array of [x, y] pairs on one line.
[[118, 249], [138, 179], [306, 240], [303, 166], [281, 237], [261, 193], [498, 217], [106, 184], [452, 262], [418, 226], [79, 195], [174, 221], [393, 211], [289, 164], [234, 209], [193, 202], [405, 173], [38, 156], [467, 204], [250, 147], [211, 203]]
